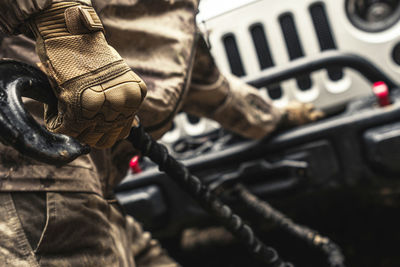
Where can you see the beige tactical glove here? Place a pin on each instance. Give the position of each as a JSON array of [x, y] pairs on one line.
[[296, 114], [97, 92]]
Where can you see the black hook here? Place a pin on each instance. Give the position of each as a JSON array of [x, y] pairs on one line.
[[17, 126]]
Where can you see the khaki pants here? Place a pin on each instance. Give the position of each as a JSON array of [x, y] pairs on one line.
[[72, 229]]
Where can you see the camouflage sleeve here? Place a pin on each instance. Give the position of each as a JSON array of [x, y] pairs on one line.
[[226, 99], [13, 13], [237, 106]]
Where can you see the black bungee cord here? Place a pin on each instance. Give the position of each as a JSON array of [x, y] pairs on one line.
[[261, 208], [180, 174]]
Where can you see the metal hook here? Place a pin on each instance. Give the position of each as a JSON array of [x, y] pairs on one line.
[[17, 126]]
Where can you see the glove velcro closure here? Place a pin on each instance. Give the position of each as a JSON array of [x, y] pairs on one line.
[[65, 19]]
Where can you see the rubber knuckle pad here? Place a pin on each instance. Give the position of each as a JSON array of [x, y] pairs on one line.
[[119, 96]]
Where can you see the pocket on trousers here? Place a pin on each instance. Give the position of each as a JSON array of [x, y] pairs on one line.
[[32, 212]]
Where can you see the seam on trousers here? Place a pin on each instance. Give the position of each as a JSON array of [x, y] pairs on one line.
[[50, 218], [15, 225]]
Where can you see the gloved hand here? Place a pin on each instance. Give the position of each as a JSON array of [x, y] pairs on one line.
[[296, 114], [98, 94]]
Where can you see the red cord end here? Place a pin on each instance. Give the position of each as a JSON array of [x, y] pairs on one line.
[[381, 92], [134, 165]]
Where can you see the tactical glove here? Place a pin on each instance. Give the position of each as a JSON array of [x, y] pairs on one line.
[[98, 94], [296, 114]]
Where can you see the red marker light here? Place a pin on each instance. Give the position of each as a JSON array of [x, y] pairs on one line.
[[134, 165], [381, 92]]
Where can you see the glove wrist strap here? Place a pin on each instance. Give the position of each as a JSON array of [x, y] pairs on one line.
[[65, 19]]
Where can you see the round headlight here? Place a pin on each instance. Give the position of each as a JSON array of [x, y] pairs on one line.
[[373, 15]]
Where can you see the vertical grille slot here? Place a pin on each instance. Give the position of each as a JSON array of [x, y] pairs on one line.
[[261, 46], [324, 35], [264, 56], [293, 46], [232, 53], [275, 91], [292, 39], [193, 119]]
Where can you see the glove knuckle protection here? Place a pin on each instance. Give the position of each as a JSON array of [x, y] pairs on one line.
[[90, 76]]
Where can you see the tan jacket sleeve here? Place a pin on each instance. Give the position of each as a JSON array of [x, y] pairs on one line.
[[237, 106], [13, 13]]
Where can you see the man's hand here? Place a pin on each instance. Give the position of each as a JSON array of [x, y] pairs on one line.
[[98, 94], [296, 114]]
